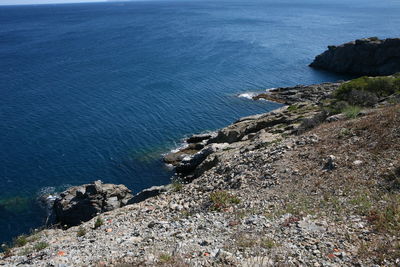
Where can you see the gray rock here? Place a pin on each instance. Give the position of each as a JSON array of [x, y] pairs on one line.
[[81, 203], [336, 117], [370, 56], [148, 193], [189, 163], [196, 138], [330, 163]]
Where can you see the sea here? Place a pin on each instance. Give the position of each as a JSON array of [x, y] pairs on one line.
[[100, 91]]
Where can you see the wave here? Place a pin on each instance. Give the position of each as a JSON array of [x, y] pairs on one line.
[[248, 95]]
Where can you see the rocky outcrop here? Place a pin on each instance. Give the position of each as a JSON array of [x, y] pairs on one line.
[[299, 93], [81, 203], [205, 150], [369, 56], [148, 193]]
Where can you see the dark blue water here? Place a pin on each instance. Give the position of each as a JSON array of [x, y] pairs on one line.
[[99, 91]]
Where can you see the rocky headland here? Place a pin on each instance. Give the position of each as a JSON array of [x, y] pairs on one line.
[[314, 183], [369, 56]]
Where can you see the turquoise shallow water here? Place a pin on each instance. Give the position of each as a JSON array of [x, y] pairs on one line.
[[99, 91]]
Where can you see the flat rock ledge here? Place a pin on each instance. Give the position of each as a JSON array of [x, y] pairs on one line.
[[369, 56]]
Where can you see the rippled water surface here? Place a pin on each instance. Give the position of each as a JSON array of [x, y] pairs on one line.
[[99, 91]]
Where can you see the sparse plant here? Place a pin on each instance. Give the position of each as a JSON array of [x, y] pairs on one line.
[[221, 200], [362, 203], [387, 218], [351, 112], [176, 185], [345, 132], [244, 241], [81, 231], [20, 241], [25, 251], [165, 258], [99, 222], [40, 246], [267, 243]]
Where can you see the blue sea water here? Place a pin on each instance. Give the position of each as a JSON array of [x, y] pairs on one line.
[[100, 91]]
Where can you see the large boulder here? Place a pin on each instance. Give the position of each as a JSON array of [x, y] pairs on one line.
[[81, 203], [369, 56], [189, 163]]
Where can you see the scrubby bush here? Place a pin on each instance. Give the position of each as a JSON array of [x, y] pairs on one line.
[[310, 123], [362, 98], [336, 107], [365, 90]]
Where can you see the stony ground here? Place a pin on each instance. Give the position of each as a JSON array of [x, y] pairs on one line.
[[327, 197]]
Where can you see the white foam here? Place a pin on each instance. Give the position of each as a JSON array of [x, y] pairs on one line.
[[248, 95], [182, 146]]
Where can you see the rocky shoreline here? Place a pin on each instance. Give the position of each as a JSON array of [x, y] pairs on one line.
[[314, 183], [190, 161], [258, 194]]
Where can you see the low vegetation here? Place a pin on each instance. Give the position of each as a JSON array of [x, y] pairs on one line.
[[99, 222], [221, 200], [81, 231], [40, 246], [176, 185], [351, 112], [363, 90]]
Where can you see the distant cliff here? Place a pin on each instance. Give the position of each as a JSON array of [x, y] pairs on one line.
[[369, 56]]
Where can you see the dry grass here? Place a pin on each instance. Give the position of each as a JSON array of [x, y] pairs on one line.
[[366, 181]]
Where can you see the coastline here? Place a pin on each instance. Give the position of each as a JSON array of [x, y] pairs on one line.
[[233, 207], [314, 182]]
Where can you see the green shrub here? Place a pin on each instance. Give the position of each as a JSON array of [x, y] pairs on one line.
[[379, 86], [335, 107], [351, 112], [20, 241], [99, 222]]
